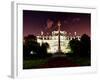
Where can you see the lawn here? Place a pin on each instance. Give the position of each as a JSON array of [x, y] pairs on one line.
[[29, 64], [51, 62]]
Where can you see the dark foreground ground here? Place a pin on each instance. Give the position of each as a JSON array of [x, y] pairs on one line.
[[58, 62], [54, 62]]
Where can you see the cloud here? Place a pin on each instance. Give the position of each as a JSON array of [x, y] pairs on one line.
[[49, 23], [76, 19]]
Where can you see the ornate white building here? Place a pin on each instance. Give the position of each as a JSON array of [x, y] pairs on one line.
[[52, 40]]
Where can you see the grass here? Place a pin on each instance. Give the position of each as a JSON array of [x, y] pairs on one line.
[[36, 63], [83, 61], [31, 64]]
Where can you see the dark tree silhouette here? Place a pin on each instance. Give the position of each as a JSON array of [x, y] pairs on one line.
[[81, 48], [44, 48], [30, 38], [85, 45], [75, 47], [29, 45]]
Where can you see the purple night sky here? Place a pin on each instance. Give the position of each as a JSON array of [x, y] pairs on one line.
[[36, 21]]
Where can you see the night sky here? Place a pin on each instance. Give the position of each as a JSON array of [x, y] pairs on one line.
[[36, 21]]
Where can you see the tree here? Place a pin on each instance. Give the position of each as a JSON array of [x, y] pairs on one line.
[[75, 46], [44, 48], [81, 48], [85, 45], [30, 37], [29, 45]]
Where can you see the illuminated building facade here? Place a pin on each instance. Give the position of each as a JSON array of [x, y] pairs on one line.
[[52, 40]]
